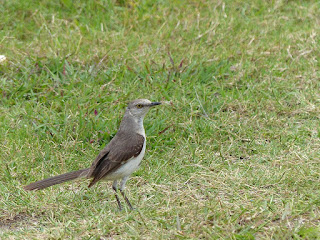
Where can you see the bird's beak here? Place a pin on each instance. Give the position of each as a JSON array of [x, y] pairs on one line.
[[154, 104]]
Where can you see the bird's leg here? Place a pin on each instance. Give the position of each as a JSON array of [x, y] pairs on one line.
[[127, 200], [122, 187], [115, 188]]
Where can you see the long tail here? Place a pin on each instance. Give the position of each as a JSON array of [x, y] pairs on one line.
[[56, 180]]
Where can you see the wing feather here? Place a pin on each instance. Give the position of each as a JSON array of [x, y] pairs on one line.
[[120, 149]]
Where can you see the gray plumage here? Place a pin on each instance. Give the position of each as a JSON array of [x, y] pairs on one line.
[[56, 179], [119, 158]]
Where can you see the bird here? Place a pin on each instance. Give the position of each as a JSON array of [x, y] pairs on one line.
[[118, 159]]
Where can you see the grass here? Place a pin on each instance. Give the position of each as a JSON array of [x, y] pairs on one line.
[[235, 155]]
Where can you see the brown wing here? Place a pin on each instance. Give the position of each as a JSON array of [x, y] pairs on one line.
[[120, 149]]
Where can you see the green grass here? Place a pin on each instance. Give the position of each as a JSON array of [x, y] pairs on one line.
[[235, 155]]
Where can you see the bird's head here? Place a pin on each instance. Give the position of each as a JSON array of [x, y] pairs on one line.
[[140, 107]]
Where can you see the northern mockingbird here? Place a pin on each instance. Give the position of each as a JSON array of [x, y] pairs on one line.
[[119, 159]]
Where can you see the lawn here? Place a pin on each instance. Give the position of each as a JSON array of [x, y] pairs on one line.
[[235, 154]]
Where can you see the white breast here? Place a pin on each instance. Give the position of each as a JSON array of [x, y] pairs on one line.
[[129, 167]]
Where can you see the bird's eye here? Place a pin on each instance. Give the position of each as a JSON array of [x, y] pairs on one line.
[[139, 106]]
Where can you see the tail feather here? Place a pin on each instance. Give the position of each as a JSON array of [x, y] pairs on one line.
[[56, 180]]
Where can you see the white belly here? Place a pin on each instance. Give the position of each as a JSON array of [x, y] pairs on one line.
[[129, 167]]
